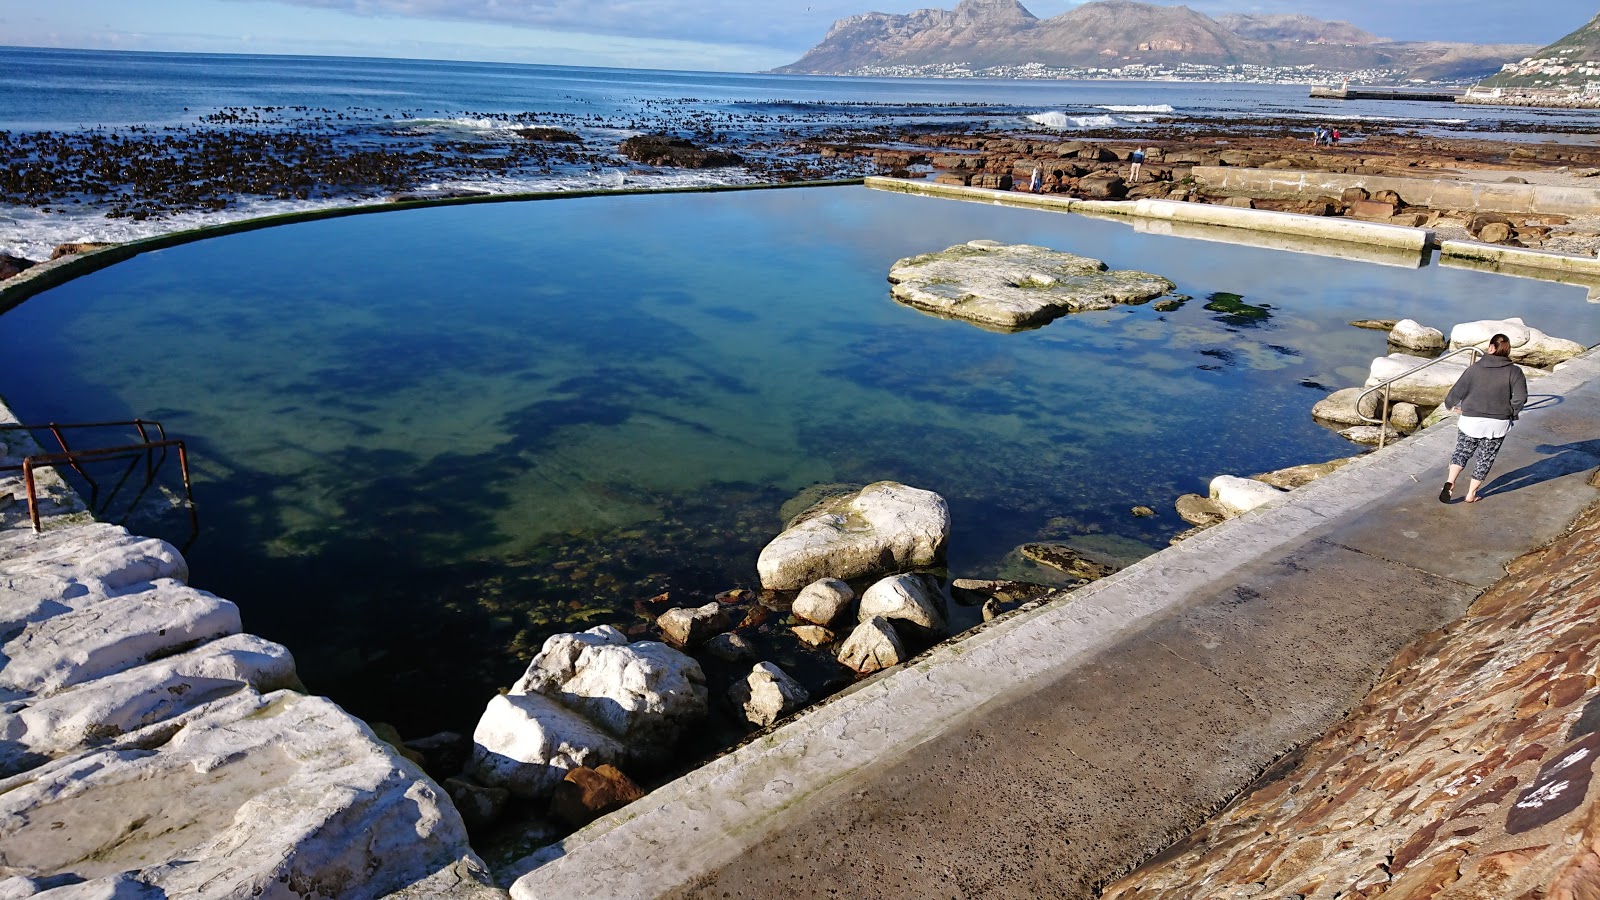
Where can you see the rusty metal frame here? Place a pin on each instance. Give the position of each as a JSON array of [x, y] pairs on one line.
[[68, 456]]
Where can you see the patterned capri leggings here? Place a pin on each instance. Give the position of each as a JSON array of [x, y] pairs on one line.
[[1486, 448]]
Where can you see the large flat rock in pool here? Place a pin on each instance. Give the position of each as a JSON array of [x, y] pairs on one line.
[[1014, 286]]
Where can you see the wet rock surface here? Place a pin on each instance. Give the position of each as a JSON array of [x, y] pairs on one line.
[[666, 150], [1465, 773], [883, 526], [1014, 286]]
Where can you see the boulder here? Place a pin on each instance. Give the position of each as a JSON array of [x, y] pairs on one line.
[[822, 602], [1405, 416], [731, 647], [1529, 346], [1064, 558], [1424, 388], [1495, 233], [1102, 186], [73, 248], [1372, 210], [690, 627], [1236, 496], [480, 806], [1198, 510], [903, 598], [871, 647], [586, 794], [557, 661], [1015, 286], [883, 526], [14, 265], [1413, 335], [814, 636], [1370, 435], [1339, 408], [645, 695], [526, 743], [293, 792], [767, 694], [1300, 476]]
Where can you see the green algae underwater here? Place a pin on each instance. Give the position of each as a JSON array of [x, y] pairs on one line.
[[426, 440]]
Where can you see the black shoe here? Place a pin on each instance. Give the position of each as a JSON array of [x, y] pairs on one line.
[[1444, 492]]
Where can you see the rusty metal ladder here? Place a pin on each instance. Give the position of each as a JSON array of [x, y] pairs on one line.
[[146, 447]]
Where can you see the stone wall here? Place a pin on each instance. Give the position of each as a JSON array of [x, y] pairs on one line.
[[149, 748], [1467, 773], [1434, 193]]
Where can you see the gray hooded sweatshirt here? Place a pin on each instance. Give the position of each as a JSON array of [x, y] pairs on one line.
[[1491, 388]]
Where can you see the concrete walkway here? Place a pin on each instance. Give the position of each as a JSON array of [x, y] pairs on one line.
[[1054, 750]]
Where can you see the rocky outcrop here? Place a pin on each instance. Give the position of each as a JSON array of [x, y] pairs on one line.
[[154, 750], [1465, 773], [766, 695], [1064, 559], [1014, 286], [883, 527], [666, 150], [1300, 476], [1529, 346]]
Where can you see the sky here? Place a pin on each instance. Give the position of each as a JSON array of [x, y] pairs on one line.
[[707, 35]]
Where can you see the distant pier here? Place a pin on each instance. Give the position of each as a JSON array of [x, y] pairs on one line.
[[1384, 94]]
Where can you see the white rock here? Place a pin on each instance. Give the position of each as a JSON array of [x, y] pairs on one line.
[[822, 602], [125, 702], [1015, 285], [558, 658], [903, 597], [526, 743], [691, 626], [73, 567], [1529, 346], [1413, 335], [645, 695], [113, 634], [1339, 407], [767, 694], [1429, 386], [872, 646], [299, 794], [1236, 496], [1405, 416], [883, 526]]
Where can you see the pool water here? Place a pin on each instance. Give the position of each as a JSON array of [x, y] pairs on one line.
[[424, 441]]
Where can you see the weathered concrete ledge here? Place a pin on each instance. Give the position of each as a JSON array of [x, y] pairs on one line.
[[1402, 258], [1342, 231], [1057, 748], [1436, 193], [148, 748], [1495, 256]]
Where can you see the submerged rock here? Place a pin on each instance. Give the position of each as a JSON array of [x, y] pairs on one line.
[[1198, 510], [1376, 324], [731, 647], [871, 647], [1015, 285], [1064, 558], [1370, 435], [882, 527], [767, 694]]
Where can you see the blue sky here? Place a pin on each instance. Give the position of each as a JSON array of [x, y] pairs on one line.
[[732, 35]]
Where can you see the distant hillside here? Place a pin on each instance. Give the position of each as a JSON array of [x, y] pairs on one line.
[[1116, 33], [1571, 63]]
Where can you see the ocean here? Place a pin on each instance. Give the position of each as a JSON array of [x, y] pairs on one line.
[[469, 111]]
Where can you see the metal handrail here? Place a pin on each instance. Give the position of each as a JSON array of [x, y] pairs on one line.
[[72, 457], [1383, 412]]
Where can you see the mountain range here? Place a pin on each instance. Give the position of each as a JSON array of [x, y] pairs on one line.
[[982, 34]]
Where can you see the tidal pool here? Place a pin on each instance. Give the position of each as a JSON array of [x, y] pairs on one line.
[[426, 440]]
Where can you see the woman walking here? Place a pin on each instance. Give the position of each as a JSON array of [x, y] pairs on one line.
[[1487, 397]]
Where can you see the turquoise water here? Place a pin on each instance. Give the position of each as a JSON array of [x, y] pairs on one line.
[[425, 440]]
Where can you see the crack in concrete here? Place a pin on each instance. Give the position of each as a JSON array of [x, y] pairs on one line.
[[1209, 671]]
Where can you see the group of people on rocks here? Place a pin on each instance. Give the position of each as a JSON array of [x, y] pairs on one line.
[[1323, 135], [1135, 164]]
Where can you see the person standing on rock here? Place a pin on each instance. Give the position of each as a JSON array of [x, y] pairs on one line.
[[1488, 396], [1036, 181], [1136, 162]]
